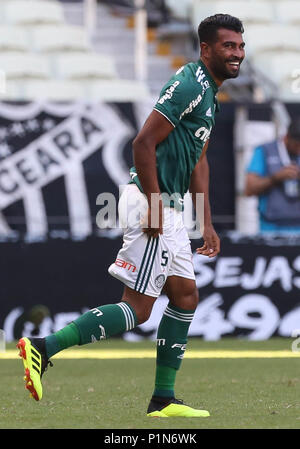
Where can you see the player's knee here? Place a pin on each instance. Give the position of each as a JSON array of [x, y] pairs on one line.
[[188, 301], [192, 302]]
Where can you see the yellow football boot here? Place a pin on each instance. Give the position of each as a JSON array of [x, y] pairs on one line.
[[174, 408], [35, 363]]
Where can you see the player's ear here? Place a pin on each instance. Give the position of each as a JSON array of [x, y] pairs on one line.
[[205, 50]]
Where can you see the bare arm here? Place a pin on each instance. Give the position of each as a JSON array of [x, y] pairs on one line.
[[200, 184], [155, 130], [257, 185]]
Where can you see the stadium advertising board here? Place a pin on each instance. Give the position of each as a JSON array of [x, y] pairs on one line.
[[251, 290]]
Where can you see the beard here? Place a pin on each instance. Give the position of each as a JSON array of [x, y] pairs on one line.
[[223, 71]]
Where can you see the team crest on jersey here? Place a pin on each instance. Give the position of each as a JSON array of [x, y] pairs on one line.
[[160, 280]]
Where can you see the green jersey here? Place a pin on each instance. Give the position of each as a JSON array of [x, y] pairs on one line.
[[189, 102]]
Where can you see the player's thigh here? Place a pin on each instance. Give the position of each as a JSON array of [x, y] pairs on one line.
[[182, 292]]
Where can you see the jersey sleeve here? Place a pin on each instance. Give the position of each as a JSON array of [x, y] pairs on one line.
[[174, 98], [257, 164]]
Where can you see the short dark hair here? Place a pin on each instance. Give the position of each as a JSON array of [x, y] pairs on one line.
[[208, 28], [294, 129]]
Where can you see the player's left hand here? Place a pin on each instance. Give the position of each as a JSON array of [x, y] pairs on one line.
[[211, 246], [152, 223]]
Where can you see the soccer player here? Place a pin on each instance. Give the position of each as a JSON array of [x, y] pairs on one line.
[[169, 157]]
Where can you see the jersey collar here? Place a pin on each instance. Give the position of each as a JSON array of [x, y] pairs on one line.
[[208, 75]]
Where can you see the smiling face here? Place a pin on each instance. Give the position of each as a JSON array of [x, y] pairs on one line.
[[224, 56]]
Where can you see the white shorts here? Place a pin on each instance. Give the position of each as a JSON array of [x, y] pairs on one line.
[[144, 263]]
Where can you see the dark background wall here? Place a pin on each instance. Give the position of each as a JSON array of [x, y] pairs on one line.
[[250, 290]]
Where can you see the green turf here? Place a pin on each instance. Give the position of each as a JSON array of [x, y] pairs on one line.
[[114, 394]]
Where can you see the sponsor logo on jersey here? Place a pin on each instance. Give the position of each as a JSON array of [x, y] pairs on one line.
[[200, 75], [169, 93], [203, 133], [191, 106], [127, 265]]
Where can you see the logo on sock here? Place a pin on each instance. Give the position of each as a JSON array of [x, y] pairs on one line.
[[97, 312], [179, 345], [103, 335]]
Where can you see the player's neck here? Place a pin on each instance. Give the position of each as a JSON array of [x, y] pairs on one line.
[[218, 81]]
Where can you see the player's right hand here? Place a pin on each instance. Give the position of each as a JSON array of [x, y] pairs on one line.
[[211, 246]]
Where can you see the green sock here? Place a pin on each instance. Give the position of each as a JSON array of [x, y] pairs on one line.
[[171, 344], [96, 324], [62, 339], [165, 381]]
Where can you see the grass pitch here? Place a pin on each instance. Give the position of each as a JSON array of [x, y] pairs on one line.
[[107, 385]]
